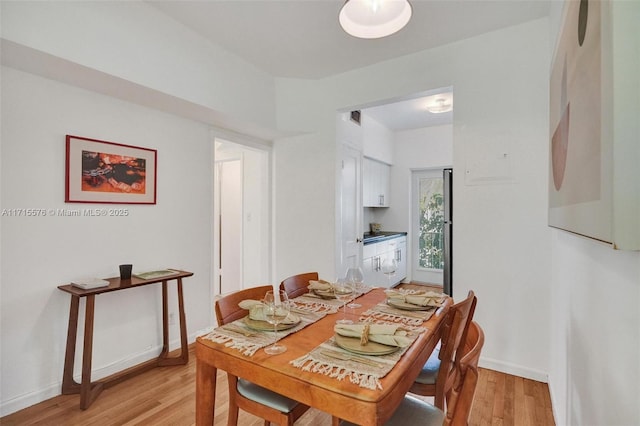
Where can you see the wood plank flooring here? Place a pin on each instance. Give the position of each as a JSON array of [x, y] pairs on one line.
[[166, 396]]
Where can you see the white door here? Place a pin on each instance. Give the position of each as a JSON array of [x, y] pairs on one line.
[[350, 209], [427, 220], [229, 175]]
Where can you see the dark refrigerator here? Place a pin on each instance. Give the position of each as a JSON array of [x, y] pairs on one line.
[[447, 285]]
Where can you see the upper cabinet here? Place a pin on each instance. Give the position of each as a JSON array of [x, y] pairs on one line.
[[376, 170], [375, 183]]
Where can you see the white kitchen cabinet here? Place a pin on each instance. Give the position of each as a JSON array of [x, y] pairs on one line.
[[374, 255], [369, 263], [375, 183], [401, 258]]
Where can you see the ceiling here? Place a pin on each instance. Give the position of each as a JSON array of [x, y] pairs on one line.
[[303, 39], [411, 113]]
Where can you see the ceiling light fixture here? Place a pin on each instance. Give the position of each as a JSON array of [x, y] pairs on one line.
[[440, 106], [374, 18]]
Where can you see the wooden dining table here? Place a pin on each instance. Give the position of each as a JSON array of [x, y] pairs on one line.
[[340, 398]]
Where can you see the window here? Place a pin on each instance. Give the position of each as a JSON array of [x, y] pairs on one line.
[[431, 222], [427, 226]]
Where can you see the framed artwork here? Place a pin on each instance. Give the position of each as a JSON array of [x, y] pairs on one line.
[[580, 171], [108, 172]]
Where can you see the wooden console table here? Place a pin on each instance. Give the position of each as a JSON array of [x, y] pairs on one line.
[[89, 391]]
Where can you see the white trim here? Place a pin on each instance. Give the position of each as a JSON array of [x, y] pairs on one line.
[[514, 369], [554, 409], [54, 389]]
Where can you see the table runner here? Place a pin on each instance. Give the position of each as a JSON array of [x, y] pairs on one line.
[[363, 370], [237, 335]]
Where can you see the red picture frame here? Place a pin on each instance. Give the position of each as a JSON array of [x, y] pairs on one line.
[[107, 172]]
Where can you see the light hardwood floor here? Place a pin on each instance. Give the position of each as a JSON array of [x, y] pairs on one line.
[[166, 396]]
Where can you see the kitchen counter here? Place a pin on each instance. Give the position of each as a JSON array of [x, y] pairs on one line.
[[376, 237]]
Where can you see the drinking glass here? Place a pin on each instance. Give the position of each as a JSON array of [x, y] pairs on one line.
[[355, 276], [276, 308], [389, 266], [343, 292]]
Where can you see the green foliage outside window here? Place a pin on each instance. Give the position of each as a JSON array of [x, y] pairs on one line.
[[431, 239]]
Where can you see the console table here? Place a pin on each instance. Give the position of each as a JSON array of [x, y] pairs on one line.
[[88, 390]]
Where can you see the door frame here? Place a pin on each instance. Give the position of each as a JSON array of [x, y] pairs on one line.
[[217, 223]]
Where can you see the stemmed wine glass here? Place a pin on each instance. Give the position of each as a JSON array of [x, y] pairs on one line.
[[389, 266], [343, 292], [276, 308], [355, 276]]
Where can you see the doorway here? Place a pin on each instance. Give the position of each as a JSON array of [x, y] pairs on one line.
[[241, 226], [229, 190]]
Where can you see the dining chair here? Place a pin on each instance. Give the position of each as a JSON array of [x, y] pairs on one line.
[[414, 411], [297, 285], [437, 375], [243, 394]]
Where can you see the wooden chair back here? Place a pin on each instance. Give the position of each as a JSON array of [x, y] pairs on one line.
[[454, 332], [460, 396], [227, 309], [415, 411], [461, 316], [296, 285]]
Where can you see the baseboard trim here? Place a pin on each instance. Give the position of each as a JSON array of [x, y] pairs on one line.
[[514, 369], [554, 405], [31, 398]]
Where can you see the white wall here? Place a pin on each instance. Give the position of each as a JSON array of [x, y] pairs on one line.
[[304, 204], [594, 376], [40, 253], [256, 247], [501, 233], [305, 171], [137, 43], [501, 240], [594, 371], [429, 147]]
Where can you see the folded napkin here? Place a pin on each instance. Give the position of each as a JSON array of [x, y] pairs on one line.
[[256, 313], [320, 285], [386, 334], [420, 298]]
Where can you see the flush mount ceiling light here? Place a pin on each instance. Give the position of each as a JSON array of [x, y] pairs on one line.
[[440, 105], [374, 18]]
